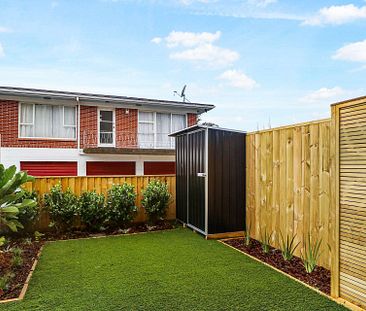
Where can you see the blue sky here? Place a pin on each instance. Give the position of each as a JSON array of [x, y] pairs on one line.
[[261, 62]]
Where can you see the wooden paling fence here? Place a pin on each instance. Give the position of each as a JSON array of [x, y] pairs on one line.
[[80, 184], [289, 184]]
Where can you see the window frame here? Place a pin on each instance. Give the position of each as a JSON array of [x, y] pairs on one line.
[[113, 145], [34, 122], [172, 145]]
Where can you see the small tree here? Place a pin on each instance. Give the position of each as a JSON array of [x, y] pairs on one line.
[[62, 206], [10, 197], [92, 210], [121, 208], [155, 200]]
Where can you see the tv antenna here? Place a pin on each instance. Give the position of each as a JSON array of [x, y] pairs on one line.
[[182, 94]]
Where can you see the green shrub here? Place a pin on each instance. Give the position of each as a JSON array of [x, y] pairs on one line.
[[266, 241], [92, 210], [28, 215], [62, 207], [10, 197], [310, 254], [121, 208], [156, 199], [288, 246]]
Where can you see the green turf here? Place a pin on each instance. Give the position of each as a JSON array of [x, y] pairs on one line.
[[171, 270]]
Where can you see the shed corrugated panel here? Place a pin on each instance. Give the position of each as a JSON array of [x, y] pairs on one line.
[[104, 168], [159, 168], [226, 185], [45, 168], [181, 177], [352, 171]]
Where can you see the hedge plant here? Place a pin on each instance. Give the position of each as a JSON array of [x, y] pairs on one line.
[[92, 210], [156, 198], [62, 206], [120, 205]]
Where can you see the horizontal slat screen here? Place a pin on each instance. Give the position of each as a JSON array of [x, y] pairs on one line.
[[352, 199]]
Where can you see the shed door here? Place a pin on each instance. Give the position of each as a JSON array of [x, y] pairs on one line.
[[196, 184], [352, 187]]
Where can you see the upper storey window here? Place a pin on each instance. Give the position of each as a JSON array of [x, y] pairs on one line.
[[47, 121], [154, 128]]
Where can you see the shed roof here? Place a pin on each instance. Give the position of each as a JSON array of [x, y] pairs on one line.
[[202, 126]]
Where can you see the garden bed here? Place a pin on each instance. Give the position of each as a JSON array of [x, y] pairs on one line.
[[319, 278], [135, 228], [17, 274]]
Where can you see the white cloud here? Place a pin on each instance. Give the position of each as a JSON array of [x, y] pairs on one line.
[[4, 29], [238, 79], [323, 94], [156, 40], [198, 47], [189, 2], [355, 52], [337, 15], [208, 53], [2, 53], [189, 39], [262, 3]]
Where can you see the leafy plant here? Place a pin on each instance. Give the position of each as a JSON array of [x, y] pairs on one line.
[[4, 281], [2, 241], [38, 235], [62, 207], [17, 251], [28, 215], [92, 210], [310, 254], [156, 199], [288, 246], [10, 197], [266, 241], [121, 208], [17, 261], [247, 239]]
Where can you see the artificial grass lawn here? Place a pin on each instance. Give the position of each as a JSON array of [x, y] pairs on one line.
[[170, 270]]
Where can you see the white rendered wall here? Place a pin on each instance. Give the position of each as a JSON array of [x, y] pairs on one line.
[[13, 156]]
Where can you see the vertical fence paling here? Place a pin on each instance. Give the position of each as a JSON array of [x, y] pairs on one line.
[[288, 183], [102, 184]]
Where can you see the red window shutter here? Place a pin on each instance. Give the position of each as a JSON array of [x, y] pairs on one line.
[[159, 168], [46, 168], [110, 168]]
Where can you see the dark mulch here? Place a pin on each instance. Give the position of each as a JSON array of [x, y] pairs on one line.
[[135, 228], [30, 252], [319, 278]]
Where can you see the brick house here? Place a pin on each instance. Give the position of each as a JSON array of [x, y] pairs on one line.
[[54, 133]]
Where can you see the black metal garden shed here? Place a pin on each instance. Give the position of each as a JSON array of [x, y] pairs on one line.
[[210, 173]]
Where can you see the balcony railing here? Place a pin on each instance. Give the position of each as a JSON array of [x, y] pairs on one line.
[[126, 139]]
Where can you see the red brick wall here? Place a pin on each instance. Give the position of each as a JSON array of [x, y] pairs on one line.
[[192, 119], [126, 128], [88, 127], [9, 131]]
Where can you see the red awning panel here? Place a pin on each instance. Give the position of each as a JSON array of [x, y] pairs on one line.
[[159, 168], [110, 168], [45, 168]]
